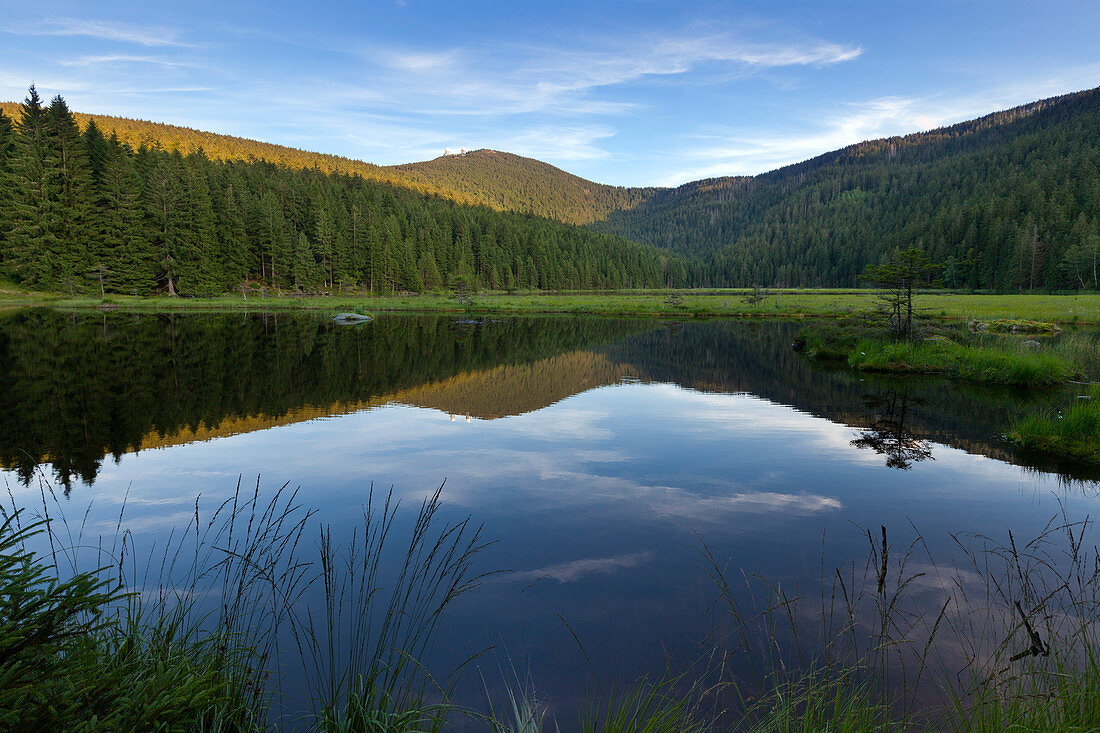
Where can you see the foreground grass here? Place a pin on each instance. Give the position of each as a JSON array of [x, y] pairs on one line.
[[67, 663], [1077, 308], [84, 655], [1073, 431]]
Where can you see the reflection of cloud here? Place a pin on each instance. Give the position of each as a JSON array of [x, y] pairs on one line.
[[680, 503], [648, 454], [567, 572]]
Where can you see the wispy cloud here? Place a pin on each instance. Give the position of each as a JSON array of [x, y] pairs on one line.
[[129, 59], [725, 151], [554, 78], [104, 31], [570, 142]]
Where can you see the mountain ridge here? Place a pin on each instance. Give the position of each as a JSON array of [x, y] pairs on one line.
[[1005, 201]]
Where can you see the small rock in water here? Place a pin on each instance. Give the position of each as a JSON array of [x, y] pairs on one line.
[[346, 318]]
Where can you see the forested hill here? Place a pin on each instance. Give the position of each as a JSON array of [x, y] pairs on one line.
[[514, 183], [82, 211], [1008, 201], [501, 181], [143, 133]]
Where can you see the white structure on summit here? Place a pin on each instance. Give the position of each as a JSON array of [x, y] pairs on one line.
[[447, 151]]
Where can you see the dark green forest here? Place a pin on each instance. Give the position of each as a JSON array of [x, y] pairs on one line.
[[501, 181], [82, 211], [1008, 202]]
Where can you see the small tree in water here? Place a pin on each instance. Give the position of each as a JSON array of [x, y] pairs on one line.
[[899, 276]]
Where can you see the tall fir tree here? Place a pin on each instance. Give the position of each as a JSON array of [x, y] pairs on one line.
[[33, 246], [121, 252], [7, 185], [72, 182]]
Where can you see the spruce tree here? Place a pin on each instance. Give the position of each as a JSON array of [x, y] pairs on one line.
[[162, 194], [199, 268], [98, 150], [33, 246], [121, 242], [7, 186], [72, 176]]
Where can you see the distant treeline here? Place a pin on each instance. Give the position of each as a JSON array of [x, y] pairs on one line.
[[82, 211], [1010, 201]]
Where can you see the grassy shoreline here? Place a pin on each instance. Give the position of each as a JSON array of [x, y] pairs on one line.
[[793, 303], [1005, 353], [983, 365], [1073, 431]]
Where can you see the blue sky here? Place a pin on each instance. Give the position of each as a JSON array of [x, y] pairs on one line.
[[629, 92]]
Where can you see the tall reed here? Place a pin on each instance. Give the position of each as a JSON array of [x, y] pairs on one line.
[[1005, 640], [185, 634], [366, 652]]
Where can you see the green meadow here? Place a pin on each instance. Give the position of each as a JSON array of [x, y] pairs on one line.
[[1064, 309]]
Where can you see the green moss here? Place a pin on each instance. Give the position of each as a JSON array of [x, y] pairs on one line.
[[1016, 325]]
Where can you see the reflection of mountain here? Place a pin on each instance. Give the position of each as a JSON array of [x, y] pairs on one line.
[[74, 389], [519, 388], [497, 392]]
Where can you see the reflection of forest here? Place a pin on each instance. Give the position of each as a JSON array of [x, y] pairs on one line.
[[74, 389], [757, 358], [497, 392]]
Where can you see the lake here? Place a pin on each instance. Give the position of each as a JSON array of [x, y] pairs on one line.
[[601, 457]]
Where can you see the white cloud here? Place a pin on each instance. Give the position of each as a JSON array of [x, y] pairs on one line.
[[127, 59], [104, 31], [730, 151], [510, 79], [568, 142]]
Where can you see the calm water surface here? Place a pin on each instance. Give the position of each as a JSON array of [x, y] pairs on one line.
[[599, 454]]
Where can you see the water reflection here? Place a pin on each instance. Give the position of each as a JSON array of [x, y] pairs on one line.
[[598, 453], [75, 389], [887, 434]]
